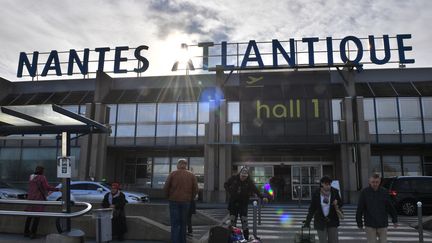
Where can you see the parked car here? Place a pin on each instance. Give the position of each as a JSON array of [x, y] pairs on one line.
[[406, 191], [94, 192], [7, 191]]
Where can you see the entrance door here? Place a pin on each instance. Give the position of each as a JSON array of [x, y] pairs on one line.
[[305, 180]]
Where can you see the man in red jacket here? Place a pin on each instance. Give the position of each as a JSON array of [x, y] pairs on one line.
[[180, 188]]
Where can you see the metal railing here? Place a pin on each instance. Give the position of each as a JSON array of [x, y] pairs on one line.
[[87, 209]]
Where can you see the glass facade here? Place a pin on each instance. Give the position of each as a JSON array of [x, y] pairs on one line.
[[152, 172], [399, 165], [159, 120], [399, 120], [17, 164]]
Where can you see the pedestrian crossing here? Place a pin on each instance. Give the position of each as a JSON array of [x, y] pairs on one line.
[[282, 223]]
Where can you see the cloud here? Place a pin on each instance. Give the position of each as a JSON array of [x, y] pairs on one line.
[[44, 25]]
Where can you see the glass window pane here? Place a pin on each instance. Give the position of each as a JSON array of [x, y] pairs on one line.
[[369, 110], [201, 129], [144, 171], [392, 166], [375, 166], [126, 113], [146, 113], [336, 109], [412, 165], [388, 127], [196, 166], [411, 127], [71, 108], [409, 108], [167, 112], [233, 112], [160, 171], [187, 111], [236, 129], [9, 163], [146, 130], [32, 157], [165, 130], [186, 130], [204, 112], [82, 110], [428, 126], [125, 130], [386, 107], [427, 107]]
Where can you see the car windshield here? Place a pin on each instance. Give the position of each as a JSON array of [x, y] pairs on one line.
[[4, 185], [106, 185]]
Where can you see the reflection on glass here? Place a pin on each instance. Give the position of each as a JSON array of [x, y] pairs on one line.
[[411, 127], [160, 171], [412, 166], [146, 130], [336, 109], [146, 112], [187, 112], [126, 113], [409, 107], [165, 131], [201, 129], [167, 112], [112, 113], [203, 116], [427, 107], [233, 112], [186, 130], [386, 107], [125, 130], [392, 166], [236, 129], [388, 127]]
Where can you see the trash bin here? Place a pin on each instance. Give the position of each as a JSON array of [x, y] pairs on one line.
[[103, 218]]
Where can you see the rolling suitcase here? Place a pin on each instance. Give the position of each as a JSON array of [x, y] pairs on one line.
[[302, 237], [219, 234]]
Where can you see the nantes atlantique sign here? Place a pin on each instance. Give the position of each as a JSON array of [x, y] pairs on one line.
[[251, 57]]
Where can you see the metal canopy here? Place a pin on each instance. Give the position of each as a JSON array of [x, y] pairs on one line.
[[45, 119]]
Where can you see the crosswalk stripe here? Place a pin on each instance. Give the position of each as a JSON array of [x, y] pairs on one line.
[[273, 229]]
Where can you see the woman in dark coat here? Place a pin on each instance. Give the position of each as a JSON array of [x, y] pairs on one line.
[[38, 190], [324, 204], [117, 201]]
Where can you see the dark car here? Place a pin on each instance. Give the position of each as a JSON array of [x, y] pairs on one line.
[[406, 191]]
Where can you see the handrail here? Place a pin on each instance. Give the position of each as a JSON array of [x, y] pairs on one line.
[[44, 214]]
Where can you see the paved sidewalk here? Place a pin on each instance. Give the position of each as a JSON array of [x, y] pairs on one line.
[[17, 238]]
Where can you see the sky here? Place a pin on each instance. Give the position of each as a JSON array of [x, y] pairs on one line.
[[162, 25]]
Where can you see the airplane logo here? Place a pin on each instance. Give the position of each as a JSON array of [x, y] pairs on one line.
[[253, 80]]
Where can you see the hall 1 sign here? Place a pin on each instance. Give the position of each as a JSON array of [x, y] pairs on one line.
[[253, 54], [53, 61]]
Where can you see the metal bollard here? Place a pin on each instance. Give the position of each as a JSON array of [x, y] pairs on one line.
[[254, 229], [259, 211], [420, 221]]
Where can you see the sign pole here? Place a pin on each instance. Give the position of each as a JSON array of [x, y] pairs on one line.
[[66, 206]]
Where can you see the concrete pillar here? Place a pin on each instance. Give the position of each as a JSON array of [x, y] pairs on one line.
[[217, 150], [94, 146]]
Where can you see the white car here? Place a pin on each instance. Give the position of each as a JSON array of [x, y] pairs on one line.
[[94, 192], [9, 192]]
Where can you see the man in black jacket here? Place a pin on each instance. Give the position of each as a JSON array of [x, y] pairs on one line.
[[240, 187], [375, 205], [323, 207]]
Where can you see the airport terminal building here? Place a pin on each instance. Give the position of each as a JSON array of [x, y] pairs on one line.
[[295, 125], [294, 122]]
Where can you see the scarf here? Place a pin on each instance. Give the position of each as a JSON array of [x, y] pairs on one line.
[[110, 197]]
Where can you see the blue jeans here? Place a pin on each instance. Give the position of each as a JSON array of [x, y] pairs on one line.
[[178, 215]]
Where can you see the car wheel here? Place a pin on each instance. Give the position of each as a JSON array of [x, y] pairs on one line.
[[408, 208]]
